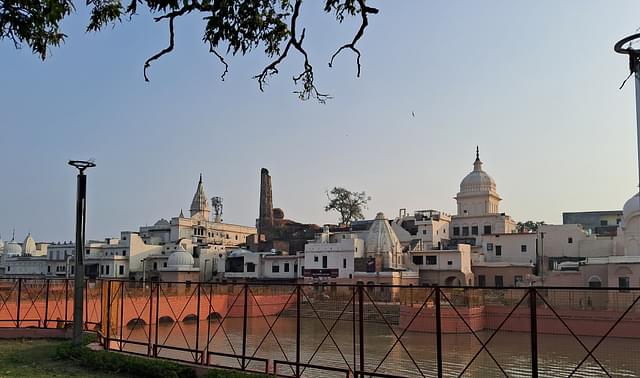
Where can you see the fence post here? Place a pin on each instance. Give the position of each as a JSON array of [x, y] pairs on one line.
[[158, 288], [534, 332], [144, 286], [297, 332], [353, 322], [66, 301], [244, 325], [46, 304], [361, 324], [18, 304], [438, 332], [108, 322], [121, 285], [198, 326], [86, 302], [205, 358]]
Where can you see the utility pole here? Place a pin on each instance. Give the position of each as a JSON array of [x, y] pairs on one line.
[[81, 212]]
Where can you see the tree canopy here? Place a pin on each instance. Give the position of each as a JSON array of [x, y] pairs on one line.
[[231, 27], [530, 226], [349, 204]]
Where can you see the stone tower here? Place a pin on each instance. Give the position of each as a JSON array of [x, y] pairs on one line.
[[265, 220]]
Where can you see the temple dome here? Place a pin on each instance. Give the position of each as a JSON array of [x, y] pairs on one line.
[[12, 248], [381, 238], [180, 259], [477, 180], [29, 245]]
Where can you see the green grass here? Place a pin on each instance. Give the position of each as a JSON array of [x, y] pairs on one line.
[[38, 358], [58, 358]]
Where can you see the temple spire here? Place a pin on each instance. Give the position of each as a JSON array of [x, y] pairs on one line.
[[200, 204], [477, 165]]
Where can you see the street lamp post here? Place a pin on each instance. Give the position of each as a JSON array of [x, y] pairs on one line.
[[634, 70], [81, 212]]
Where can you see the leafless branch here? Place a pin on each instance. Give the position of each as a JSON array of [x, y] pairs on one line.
[[221, 58], [171, 16], [364, 12], [306, 77]]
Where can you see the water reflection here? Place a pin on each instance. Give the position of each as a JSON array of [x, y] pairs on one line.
[[414, 356]]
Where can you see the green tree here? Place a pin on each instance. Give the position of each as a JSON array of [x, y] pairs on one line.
[[349, 204], [528, 226], [232, 26]]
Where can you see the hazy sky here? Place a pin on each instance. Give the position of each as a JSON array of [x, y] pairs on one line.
[[534, 84]]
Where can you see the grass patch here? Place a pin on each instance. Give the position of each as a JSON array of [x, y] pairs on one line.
[[57, 358], [38, 358]]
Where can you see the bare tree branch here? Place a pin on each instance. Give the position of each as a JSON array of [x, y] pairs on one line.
[[364, 12]]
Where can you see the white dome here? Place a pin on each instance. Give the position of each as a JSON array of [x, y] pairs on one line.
[[180, 259], [478, 180], [631, 208], [12, 249]]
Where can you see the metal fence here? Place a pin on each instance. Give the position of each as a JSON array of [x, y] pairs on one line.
[[350, 330]]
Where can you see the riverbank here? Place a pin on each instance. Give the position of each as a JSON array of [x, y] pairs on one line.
[[57, 358]]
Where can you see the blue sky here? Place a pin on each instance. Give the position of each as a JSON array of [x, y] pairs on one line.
[[534, 84]]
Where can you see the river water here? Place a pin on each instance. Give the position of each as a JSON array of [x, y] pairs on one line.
[[558, 355]]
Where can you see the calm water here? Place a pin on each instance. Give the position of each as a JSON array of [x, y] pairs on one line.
[[558, 355]]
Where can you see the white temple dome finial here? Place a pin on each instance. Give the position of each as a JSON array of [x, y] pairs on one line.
[[477, 180]]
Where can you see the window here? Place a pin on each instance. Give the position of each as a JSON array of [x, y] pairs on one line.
[[164, 264], [456, 231], [324, 262], [88, 251], [431, 260], [72, 269], [424, 232], [604, 222], [498, 250], [124, 253], [487, 230], [48, 268], [623, 283], [236, 237], [344, 263], [275, 268], [286, 267], [499, 281], [121, 270], [570, 240], [187, 284], [465, 231], [449, 262], [155, 265], [517, 280], [474, 230], [418, 260], [106, 269], [315, 258], [489, 247], [482, 280], [8, 268], [101, 269], [595, 282], [251, 267], [523, 248]]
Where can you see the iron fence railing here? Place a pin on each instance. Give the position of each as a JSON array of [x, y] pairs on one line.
[[349, 330]]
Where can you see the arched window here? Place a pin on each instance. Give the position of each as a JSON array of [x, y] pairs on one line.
[[595, 281]]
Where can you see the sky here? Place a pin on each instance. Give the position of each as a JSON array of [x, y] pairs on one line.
[[533, 84]]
